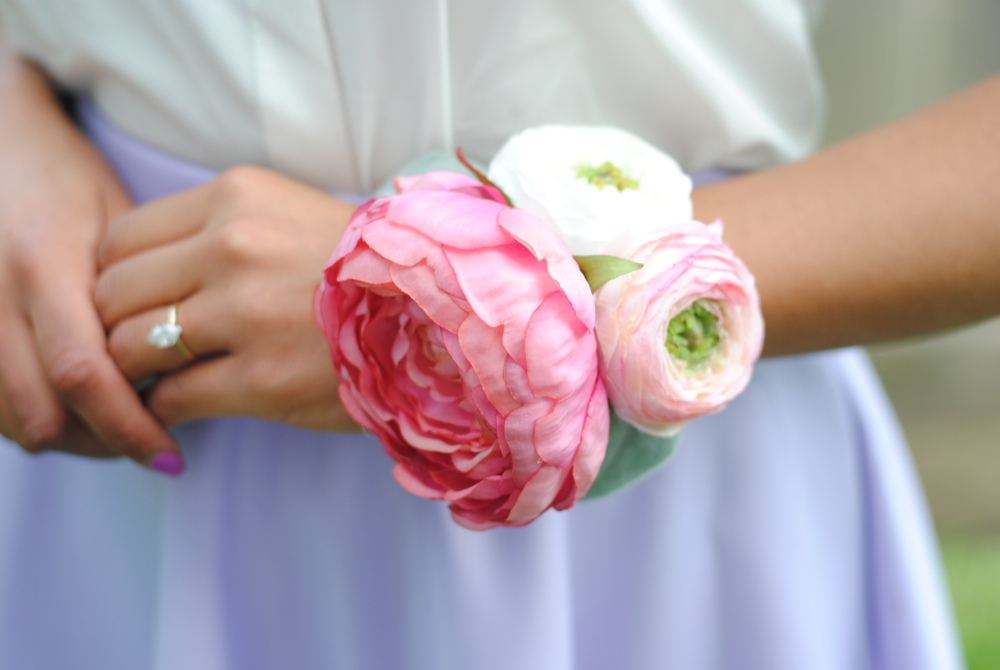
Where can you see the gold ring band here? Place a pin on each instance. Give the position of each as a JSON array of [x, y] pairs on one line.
[[181, 347]]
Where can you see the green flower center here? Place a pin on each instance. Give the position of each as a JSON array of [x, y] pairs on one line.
[[607, 174], [693, 335]]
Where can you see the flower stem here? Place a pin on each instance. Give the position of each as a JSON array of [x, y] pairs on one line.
[[479, 175]]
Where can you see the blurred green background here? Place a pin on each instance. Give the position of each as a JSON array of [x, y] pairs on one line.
[[882, 59]]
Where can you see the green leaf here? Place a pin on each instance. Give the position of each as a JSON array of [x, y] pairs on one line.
[[599, 270], [631, 455]]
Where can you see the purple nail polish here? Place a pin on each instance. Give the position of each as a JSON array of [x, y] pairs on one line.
[[168, 463]]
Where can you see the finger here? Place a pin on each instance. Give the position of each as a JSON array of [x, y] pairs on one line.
[[154, 224], [34, 413], [73, 436], [79, 440], [153, 278], [201, 333], [223, 387], [10, 425], [36, 416], [76, 438], [30, 412], [70, 339], [229, 386], [115, 202], [207, 389]]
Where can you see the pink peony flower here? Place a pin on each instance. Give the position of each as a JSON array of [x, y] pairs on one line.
[[462, 331], [678, 337]]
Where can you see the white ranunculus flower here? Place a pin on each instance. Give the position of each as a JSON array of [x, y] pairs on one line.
[[592, 183]]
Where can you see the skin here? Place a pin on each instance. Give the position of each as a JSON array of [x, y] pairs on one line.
[[847, 248], [240, 257], [891, 234], [59, 387]]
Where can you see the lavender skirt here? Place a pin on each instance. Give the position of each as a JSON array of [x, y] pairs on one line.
[[787, 533]]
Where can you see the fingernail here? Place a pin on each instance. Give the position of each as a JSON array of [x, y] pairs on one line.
[[168, 463]]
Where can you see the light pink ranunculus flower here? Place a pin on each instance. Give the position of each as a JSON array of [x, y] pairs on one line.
[[679, 336], [462, 331]]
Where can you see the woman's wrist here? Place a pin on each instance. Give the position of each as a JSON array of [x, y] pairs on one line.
[[888, 235]]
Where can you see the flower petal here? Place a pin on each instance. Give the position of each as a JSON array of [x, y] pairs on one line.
[[557, 349], [546, 246], [419, 283], [415, 485], [537, 494], [482, 346], [450, 218], [503, 285]]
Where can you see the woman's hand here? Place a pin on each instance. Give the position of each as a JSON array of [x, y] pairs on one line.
[[59, 389], [240, 257]]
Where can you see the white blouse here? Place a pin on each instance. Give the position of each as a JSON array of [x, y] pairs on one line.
[[716, 83]]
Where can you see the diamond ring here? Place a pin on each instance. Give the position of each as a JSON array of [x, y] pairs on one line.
[[168, 334]]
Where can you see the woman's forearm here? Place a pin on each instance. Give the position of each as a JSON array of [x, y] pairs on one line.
[[890, 234]]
